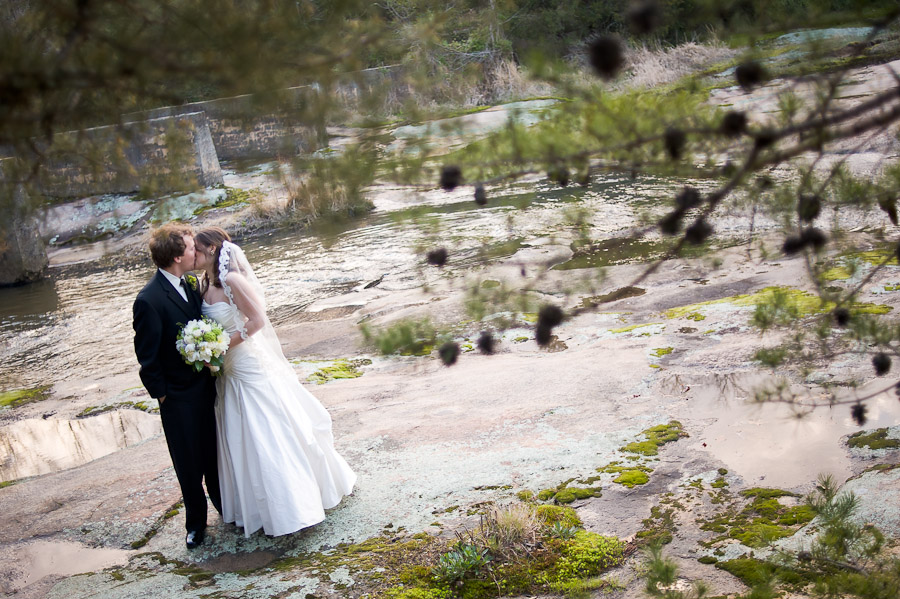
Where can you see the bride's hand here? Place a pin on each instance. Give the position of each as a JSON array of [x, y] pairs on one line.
[[236, 340]]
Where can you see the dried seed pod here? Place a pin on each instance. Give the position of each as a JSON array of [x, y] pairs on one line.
[[809, 207], [889, 206], [670, 224], [606, 55], [480, 195], [643, 16], [674, 139], [792, 245], [858, 412], [750, 74], [550, 316], [841, 316], [449, 352], [765, 138], [733, 123], [688, 198], [437, 257], [451, 177], [486, 342], [698, 232], [814, 237], [542, 335], [882, 363]]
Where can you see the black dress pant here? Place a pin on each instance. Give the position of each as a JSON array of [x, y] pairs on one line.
[[190, 428]]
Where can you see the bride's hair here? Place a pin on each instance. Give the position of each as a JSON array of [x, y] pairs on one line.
[[213, 237]]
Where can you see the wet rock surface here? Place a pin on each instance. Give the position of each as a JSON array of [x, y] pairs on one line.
[[524, 418]]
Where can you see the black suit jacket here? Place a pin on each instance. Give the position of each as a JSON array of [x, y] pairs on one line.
[[159, 314]]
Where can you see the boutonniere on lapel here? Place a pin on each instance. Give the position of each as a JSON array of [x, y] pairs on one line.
[[192, 281]]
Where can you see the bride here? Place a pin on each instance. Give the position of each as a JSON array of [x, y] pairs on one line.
[[278, 469]]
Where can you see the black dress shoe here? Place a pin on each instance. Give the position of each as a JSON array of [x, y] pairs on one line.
[[194, 538]]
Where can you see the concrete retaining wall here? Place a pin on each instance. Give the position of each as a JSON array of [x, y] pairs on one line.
[[243, 128], [23, 257], [161, 155], [286, 122]]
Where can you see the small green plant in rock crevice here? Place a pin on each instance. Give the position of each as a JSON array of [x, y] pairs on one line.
[[459, 563], [523, 549], [405, 337], [846, 559]]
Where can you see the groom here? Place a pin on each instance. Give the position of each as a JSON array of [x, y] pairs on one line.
[[186, 397]]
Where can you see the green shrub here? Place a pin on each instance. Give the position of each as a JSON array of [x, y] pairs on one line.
[[406, 337]]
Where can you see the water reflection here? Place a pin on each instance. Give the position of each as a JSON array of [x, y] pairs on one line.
[[768, 443], [38, 446], [26, 563], [27, 306]]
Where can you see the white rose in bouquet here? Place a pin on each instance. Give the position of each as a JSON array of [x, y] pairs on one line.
[[203, 342]]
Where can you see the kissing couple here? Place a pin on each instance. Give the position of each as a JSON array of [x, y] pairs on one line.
[[261, 442]]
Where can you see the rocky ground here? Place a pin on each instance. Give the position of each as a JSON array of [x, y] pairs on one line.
[[434, 445]]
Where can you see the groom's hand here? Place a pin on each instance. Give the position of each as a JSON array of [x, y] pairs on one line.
[[161, 399]]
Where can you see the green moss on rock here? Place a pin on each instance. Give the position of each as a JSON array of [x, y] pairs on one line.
[[622, 293], [802, 303], [143, 406], [20, 397], [570, 494], [551, 514], [876, 439], [631, 478], [634, 327], [588, 554], [656, 436], [546, 494], [763, 520], [340, 369]]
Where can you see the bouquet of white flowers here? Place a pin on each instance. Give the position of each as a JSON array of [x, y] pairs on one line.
[[202, 342]]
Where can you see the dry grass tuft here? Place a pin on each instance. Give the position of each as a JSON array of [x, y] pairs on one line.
[[510, 531], [649, 67], [506, 81]]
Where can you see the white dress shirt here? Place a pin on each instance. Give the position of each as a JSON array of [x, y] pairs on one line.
[[176, 283]]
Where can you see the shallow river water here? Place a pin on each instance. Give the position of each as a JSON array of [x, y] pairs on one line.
[[80, 317]]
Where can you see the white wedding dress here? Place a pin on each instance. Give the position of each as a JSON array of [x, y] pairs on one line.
[[278, 469]]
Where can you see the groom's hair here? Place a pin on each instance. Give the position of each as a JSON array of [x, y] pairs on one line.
[[167, 243]]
